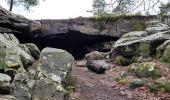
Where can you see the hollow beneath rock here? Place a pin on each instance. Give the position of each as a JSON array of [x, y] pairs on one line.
[[77, 43]]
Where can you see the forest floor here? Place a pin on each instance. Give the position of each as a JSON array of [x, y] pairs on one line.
[[91, 86]]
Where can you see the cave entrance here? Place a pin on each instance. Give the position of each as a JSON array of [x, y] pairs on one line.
[[75, 42]]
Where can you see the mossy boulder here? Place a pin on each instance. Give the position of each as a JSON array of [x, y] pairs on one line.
[[120, 60], [129, 43], [140, 43], [160, 85], [145, 69]]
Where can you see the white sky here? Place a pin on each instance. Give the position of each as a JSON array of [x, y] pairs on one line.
[[56, 9]]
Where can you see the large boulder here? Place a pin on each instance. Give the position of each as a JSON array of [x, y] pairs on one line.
[[53, 70], [131, 44], [98, 66], [140, 43]]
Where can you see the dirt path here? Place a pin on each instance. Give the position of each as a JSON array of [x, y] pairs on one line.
[[91, 86]]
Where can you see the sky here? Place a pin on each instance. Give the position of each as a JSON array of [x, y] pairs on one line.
[[56, 9]]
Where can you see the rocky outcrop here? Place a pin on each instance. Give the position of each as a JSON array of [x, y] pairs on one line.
[[140, 45], [78, 36], [14, 57], [22, 77], [13, 23]]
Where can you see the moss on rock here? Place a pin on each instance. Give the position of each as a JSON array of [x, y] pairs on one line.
[[166, 55], [146, 69]]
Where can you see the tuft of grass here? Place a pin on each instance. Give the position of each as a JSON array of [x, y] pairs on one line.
[[123, 81], [120, 60], [70, 83]]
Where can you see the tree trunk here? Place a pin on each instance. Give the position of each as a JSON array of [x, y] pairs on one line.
[[11, 5]]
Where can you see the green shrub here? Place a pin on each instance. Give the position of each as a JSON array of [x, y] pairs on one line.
[[123, 81], [144, 49], [138, 25], [160, 86], [120, 60], [166, 55], [70, 83]]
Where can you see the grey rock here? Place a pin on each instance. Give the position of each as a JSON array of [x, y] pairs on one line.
[[140, 46], [5, 87], [98, 66], [54, 67], [7, 97], [96, 55], [136, 83], [20, 86]]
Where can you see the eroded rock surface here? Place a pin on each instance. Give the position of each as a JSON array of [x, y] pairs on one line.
[[54, 68]]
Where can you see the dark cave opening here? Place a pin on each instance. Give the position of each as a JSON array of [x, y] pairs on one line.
[[73, 41]]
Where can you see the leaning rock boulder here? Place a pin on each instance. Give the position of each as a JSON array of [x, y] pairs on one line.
[[131, 44], [54, 67]]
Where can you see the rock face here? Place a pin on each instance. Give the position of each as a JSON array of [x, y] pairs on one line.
[[54, 68]]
